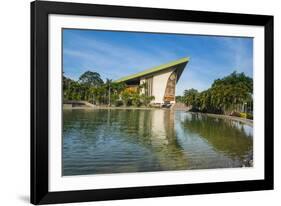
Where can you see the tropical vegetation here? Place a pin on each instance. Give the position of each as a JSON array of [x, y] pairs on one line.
[[231, 95], [90, 87]]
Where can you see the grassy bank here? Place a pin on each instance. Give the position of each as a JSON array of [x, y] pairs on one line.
[[239, 119]]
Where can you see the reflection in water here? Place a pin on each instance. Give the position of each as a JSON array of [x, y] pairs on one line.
[[228, 137], [119, 140]]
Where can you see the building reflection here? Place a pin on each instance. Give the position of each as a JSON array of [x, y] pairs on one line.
[[139, 140], [156, 131]]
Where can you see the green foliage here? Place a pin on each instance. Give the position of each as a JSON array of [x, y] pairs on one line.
[[126, 98], [243, 115], [90, 79], [180, 99], [72, 90], [191, 97], [114, 99], [135, 98], [146, 99], [249, 116], [118, 103], [98, 94], [231, 93], [90, 87]]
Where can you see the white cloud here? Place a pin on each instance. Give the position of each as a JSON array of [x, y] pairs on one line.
[[114, 58]]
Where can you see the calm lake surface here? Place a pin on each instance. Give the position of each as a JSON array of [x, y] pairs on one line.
[[126, 140]]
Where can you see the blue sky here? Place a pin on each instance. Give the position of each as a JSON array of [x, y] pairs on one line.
[[117, 54]]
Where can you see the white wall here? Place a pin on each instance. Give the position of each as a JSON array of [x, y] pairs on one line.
[[159, 85], [142, 81], [14, 103]]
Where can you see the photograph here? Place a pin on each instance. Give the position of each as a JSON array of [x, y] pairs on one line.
[[133, 102], [154, 102]]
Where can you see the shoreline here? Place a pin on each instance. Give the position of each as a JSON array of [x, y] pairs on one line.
[[239, 119], [222, 116], [107, 107]]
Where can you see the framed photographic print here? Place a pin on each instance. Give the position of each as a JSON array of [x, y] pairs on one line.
[[131, 102]]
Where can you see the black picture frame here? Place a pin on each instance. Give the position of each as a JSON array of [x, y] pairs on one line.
[[39, 102]]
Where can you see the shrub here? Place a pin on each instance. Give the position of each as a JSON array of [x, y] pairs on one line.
[[146, 99], [135, 98], [118, 103], [126, 98], [243, 115], [249, 116]]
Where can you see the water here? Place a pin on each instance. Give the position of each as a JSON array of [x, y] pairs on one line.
[[118, 140]]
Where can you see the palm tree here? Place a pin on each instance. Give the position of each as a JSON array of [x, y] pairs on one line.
[[126, 96], [191, 97], [108, 85]]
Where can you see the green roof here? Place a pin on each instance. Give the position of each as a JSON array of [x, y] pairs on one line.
[[154, 69]]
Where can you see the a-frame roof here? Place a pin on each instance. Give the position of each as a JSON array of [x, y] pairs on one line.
[[154, 69]]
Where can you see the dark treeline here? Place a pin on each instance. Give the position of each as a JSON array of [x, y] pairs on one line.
[[231, 95], [90, 87]]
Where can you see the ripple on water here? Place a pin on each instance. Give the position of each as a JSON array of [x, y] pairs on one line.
[[114, 141]]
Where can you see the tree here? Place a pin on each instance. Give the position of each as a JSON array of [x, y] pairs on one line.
[[204, 101], [146, 99], [98, 94], [231, 93], [108, 87], [135, 98], [191, 97], [118, 87], [180, 99], [126, 95], [91, 79], [66, 87]]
